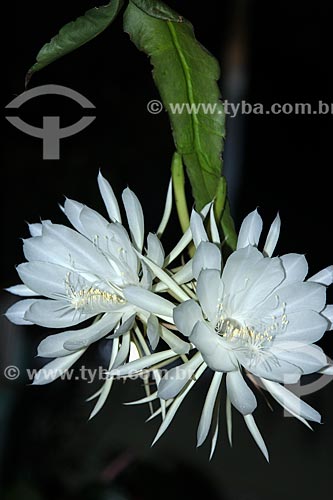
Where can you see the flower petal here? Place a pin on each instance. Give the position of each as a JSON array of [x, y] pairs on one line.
[[240, 394], [215, 351], [110, 201], [155, 251], [148, 301], [21, 290], [153, 331], [251, 425], [207, 256], [209, 291], [175, 379], [328, 314], [250, 230], [56, 368], [16, 313], [54, 314], [44, 278], [290, 402], [167, 211], [295, 266], [134, 217], [273, 236], [186, 316], [197, 228], [304, 327], [324, 277], [208, 408]]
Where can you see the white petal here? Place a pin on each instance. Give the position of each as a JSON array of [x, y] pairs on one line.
[[186, 316], [324, 277], [178, 345], [56, 368], [207, 256], [304, 327], [240, 394], [309, 358], [301, 296], [328, 314], [44, 278], [214, 349], [53, 345], [209, 291], [250, 230], [155, 251], [124, 350], [177, 402], [251, 425], [142, 363], [126, 325], [21, 290], [110, 201], [273, 236], [167, 211], [175, 379], [197, 228], [295, 266], [271, 367], [95, 226], [291, 402], [215, 236], [54, 314], [208, 408], [35, 229], [153, 331], [148, 301], [72, 210], [237, 268], [134, 217], [16, 313]]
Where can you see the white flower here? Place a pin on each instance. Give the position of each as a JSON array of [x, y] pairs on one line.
[[81, 274], [256, 316]]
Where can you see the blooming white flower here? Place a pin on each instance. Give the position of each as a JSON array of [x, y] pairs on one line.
[[82, 274], [256, 316]]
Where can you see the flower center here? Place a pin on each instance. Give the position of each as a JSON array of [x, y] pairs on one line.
[[89, 298]]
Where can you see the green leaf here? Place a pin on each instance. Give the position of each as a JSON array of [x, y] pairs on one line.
[[75, 34], [184, 72], [158, 9]]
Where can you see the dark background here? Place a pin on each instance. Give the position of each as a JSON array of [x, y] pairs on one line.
[[269, 52]]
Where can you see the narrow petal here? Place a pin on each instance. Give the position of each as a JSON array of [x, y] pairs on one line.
[[186, 315], [123, 351], [252, 426], [142, 363], [21, 290], [178, 345], [175, 379], [250, 230], [153, 331], [273, 236], [207, 256], [148, 301], [290, 402], [72, 210], [56, 368], [240, 394], [197, 228], [215, 236], [155, 251], [134, 217], [177, 402], [167, 211], [16, 313], [208, 408], [324, 277], [110, 201]]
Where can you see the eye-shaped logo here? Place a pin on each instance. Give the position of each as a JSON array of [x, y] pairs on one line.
[[51, 133]]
